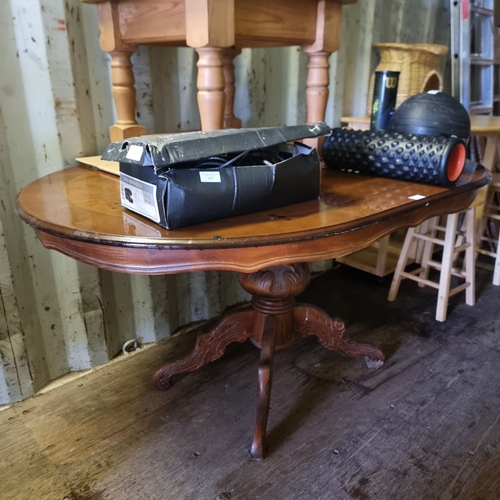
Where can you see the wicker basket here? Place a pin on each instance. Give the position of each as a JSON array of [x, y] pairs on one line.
[[418, 65]]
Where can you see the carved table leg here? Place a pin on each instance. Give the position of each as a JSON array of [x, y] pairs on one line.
[[270, 323], [310, 320], [264, 390], [273, 290], [235, 327]]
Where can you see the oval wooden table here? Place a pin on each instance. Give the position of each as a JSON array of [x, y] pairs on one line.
[[77, 212]]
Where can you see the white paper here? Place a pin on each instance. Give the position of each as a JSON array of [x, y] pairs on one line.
[[210, 176], [135, 152]]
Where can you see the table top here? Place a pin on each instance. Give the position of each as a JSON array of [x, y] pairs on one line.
[[259, 23], [77, 211], [480, 123]]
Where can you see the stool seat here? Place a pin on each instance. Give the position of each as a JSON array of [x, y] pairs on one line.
[[456, 237]]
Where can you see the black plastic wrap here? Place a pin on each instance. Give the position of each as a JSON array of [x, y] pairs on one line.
[[174, 150]]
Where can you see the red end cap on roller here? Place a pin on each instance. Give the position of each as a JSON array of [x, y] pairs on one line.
[[456, 162]]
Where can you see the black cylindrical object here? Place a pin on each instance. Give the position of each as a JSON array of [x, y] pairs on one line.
[[416, 158], [385, 92]]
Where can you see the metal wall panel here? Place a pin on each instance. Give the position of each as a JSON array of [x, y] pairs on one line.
[[57, 315]]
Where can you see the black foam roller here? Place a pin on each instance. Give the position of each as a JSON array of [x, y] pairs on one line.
[[436, 160]]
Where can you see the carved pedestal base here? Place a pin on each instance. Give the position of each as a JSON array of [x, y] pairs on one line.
[[270, 322]]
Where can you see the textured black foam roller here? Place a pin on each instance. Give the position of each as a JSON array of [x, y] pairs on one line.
[[415, 158]]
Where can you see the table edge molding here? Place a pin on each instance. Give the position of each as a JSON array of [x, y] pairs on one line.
[[146, 260]]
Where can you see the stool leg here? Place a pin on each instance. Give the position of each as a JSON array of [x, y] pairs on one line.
[[446, 265], [490, 151], [496, 273], [383, 248], [420, 245], [430, 229], [484, 216], [470, 256], [490, 212], [403, 258]]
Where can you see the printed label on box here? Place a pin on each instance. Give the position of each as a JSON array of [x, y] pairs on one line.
[[139, 196], [212, 176]]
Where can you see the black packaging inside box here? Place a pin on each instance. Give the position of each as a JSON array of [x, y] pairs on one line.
[[182, 179]]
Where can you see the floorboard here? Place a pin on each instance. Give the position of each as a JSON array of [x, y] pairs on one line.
[[425, 426]]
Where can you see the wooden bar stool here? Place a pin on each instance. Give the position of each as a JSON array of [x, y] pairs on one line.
[[458, 235], [490, 224]]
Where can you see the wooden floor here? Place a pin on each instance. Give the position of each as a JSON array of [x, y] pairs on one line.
[[424, 426]]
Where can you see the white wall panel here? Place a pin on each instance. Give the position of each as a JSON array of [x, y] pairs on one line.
[[57, 315]]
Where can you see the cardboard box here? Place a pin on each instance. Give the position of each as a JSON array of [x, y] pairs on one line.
[[182, 179]]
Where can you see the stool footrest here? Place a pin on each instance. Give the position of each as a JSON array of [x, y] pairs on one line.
[[433, 284], [487, 252], [454, 240], [412, 276], [425, 237], [489, 240], [459, 288], [463, 247], [455, 271], [492, 216]]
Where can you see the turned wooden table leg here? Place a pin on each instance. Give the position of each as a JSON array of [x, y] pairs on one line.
[[210, 30], [230, 121], [211, 87], [122, 79], [317, 91], [122, 75], [317, 83], [328, 23]]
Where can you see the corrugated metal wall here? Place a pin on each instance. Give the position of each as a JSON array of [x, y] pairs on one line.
[[57, 315]]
